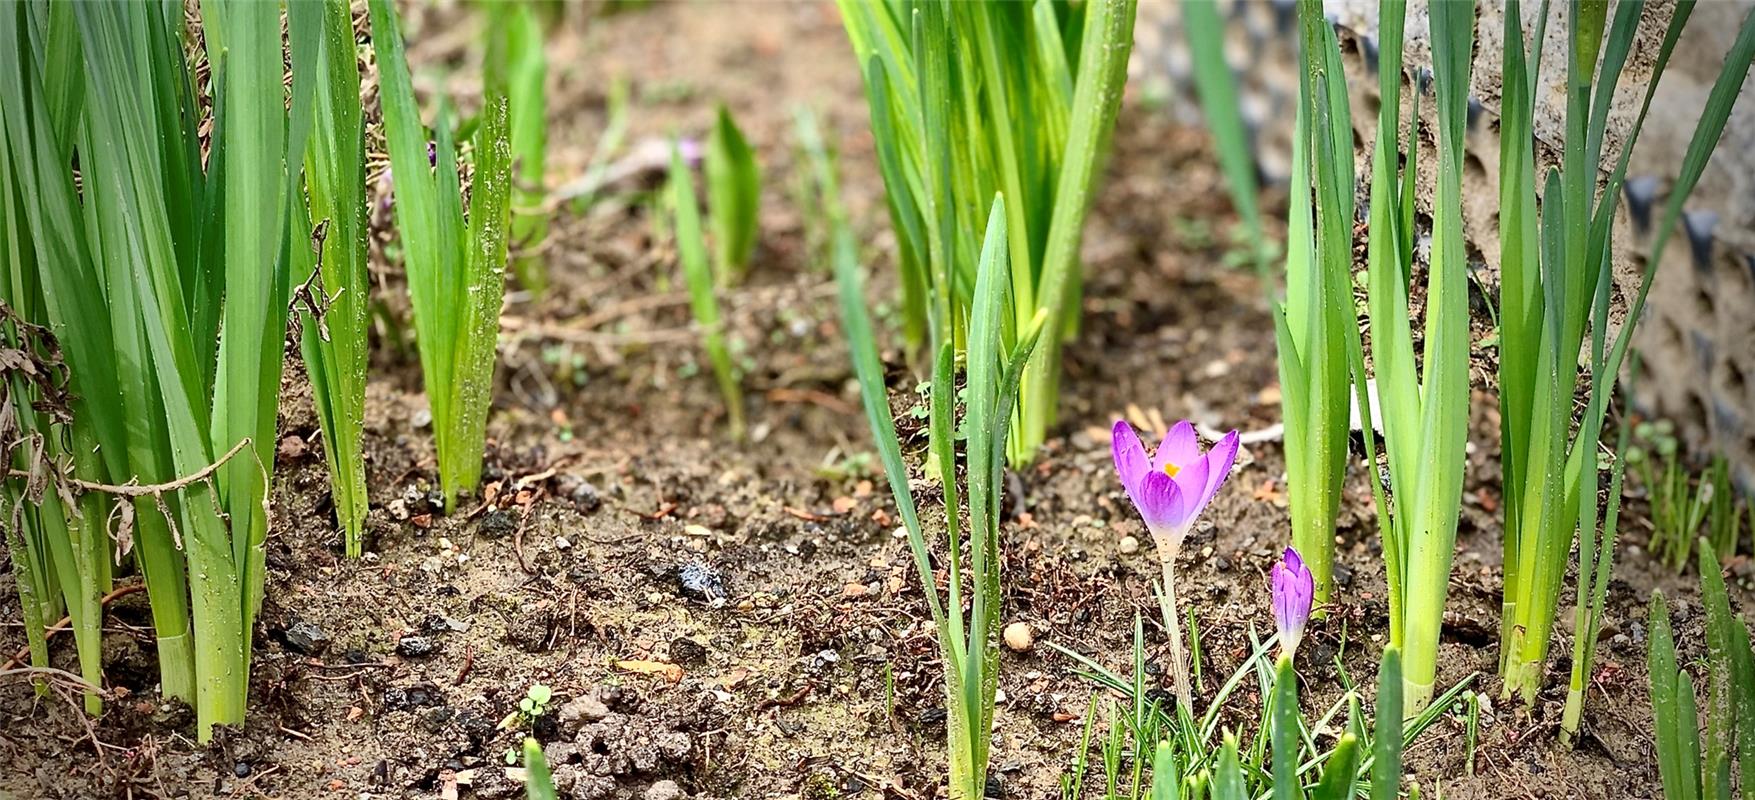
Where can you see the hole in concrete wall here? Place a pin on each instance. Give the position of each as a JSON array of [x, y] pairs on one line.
[[1707, 305], [1697, 421], [1736, 382], [1473, 168], [1669, 339], [1741, 281]]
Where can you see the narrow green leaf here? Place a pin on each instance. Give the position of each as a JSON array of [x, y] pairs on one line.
[[527, 70], [691, 248], [539, 783], [734, 188]]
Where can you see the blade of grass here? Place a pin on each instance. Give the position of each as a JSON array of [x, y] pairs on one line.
[[691, 249], [527, 69], [734, 189]]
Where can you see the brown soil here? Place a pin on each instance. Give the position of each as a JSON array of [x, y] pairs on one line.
[[623, 527]]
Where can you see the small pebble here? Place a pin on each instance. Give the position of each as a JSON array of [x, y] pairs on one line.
[[416, 646], [663, 790], [1019, 637], [1129, 545]]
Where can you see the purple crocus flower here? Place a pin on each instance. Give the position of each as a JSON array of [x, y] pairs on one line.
[[1293, 589], [1172, 487]]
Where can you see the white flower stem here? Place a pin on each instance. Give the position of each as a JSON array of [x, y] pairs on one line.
[[1172, 622]]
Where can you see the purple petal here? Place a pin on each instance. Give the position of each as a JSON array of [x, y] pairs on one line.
[[1160, 503], [1219, 462], [1192, 482], [1130, 457], [1294, 563], [1180, 447]]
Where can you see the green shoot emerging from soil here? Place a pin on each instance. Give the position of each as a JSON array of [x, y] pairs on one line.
[[1193, 758], [1693, 766], [691, 253], [972, 99], [734, 193], [539, 782], [456, 267], [968, 644]]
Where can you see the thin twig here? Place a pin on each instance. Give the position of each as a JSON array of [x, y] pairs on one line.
[[150, 489]]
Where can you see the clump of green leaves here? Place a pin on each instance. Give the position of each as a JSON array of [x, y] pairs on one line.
[[968, 641], [691, 253], [1422, 404], [456, 264], [734, 194], [969, 100], [1555, 288], [333, 299], [1693, 766], [1192, 758], [166, 278], [1681, 502], [1311, 323]]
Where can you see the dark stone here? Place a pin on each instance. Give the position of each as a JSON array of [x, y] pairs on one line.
[[1343, 575], [1475, 110], [698, 580], [241, 769], [475, 726], [416, 695], [994, 788], [305, 637], [416, 646], [497, 524], [687, 651], [933, 717], [585, 497]]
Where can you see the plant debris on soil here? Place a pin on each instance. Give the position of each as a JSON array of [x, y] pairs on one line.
[[741, 620]]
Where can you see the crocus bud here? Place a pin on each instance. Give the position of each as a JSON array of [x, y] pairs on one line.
[[1293, 588]]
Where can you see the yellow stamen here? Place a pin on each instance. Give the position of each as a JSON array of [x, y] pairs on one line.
[[1171, 469]]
